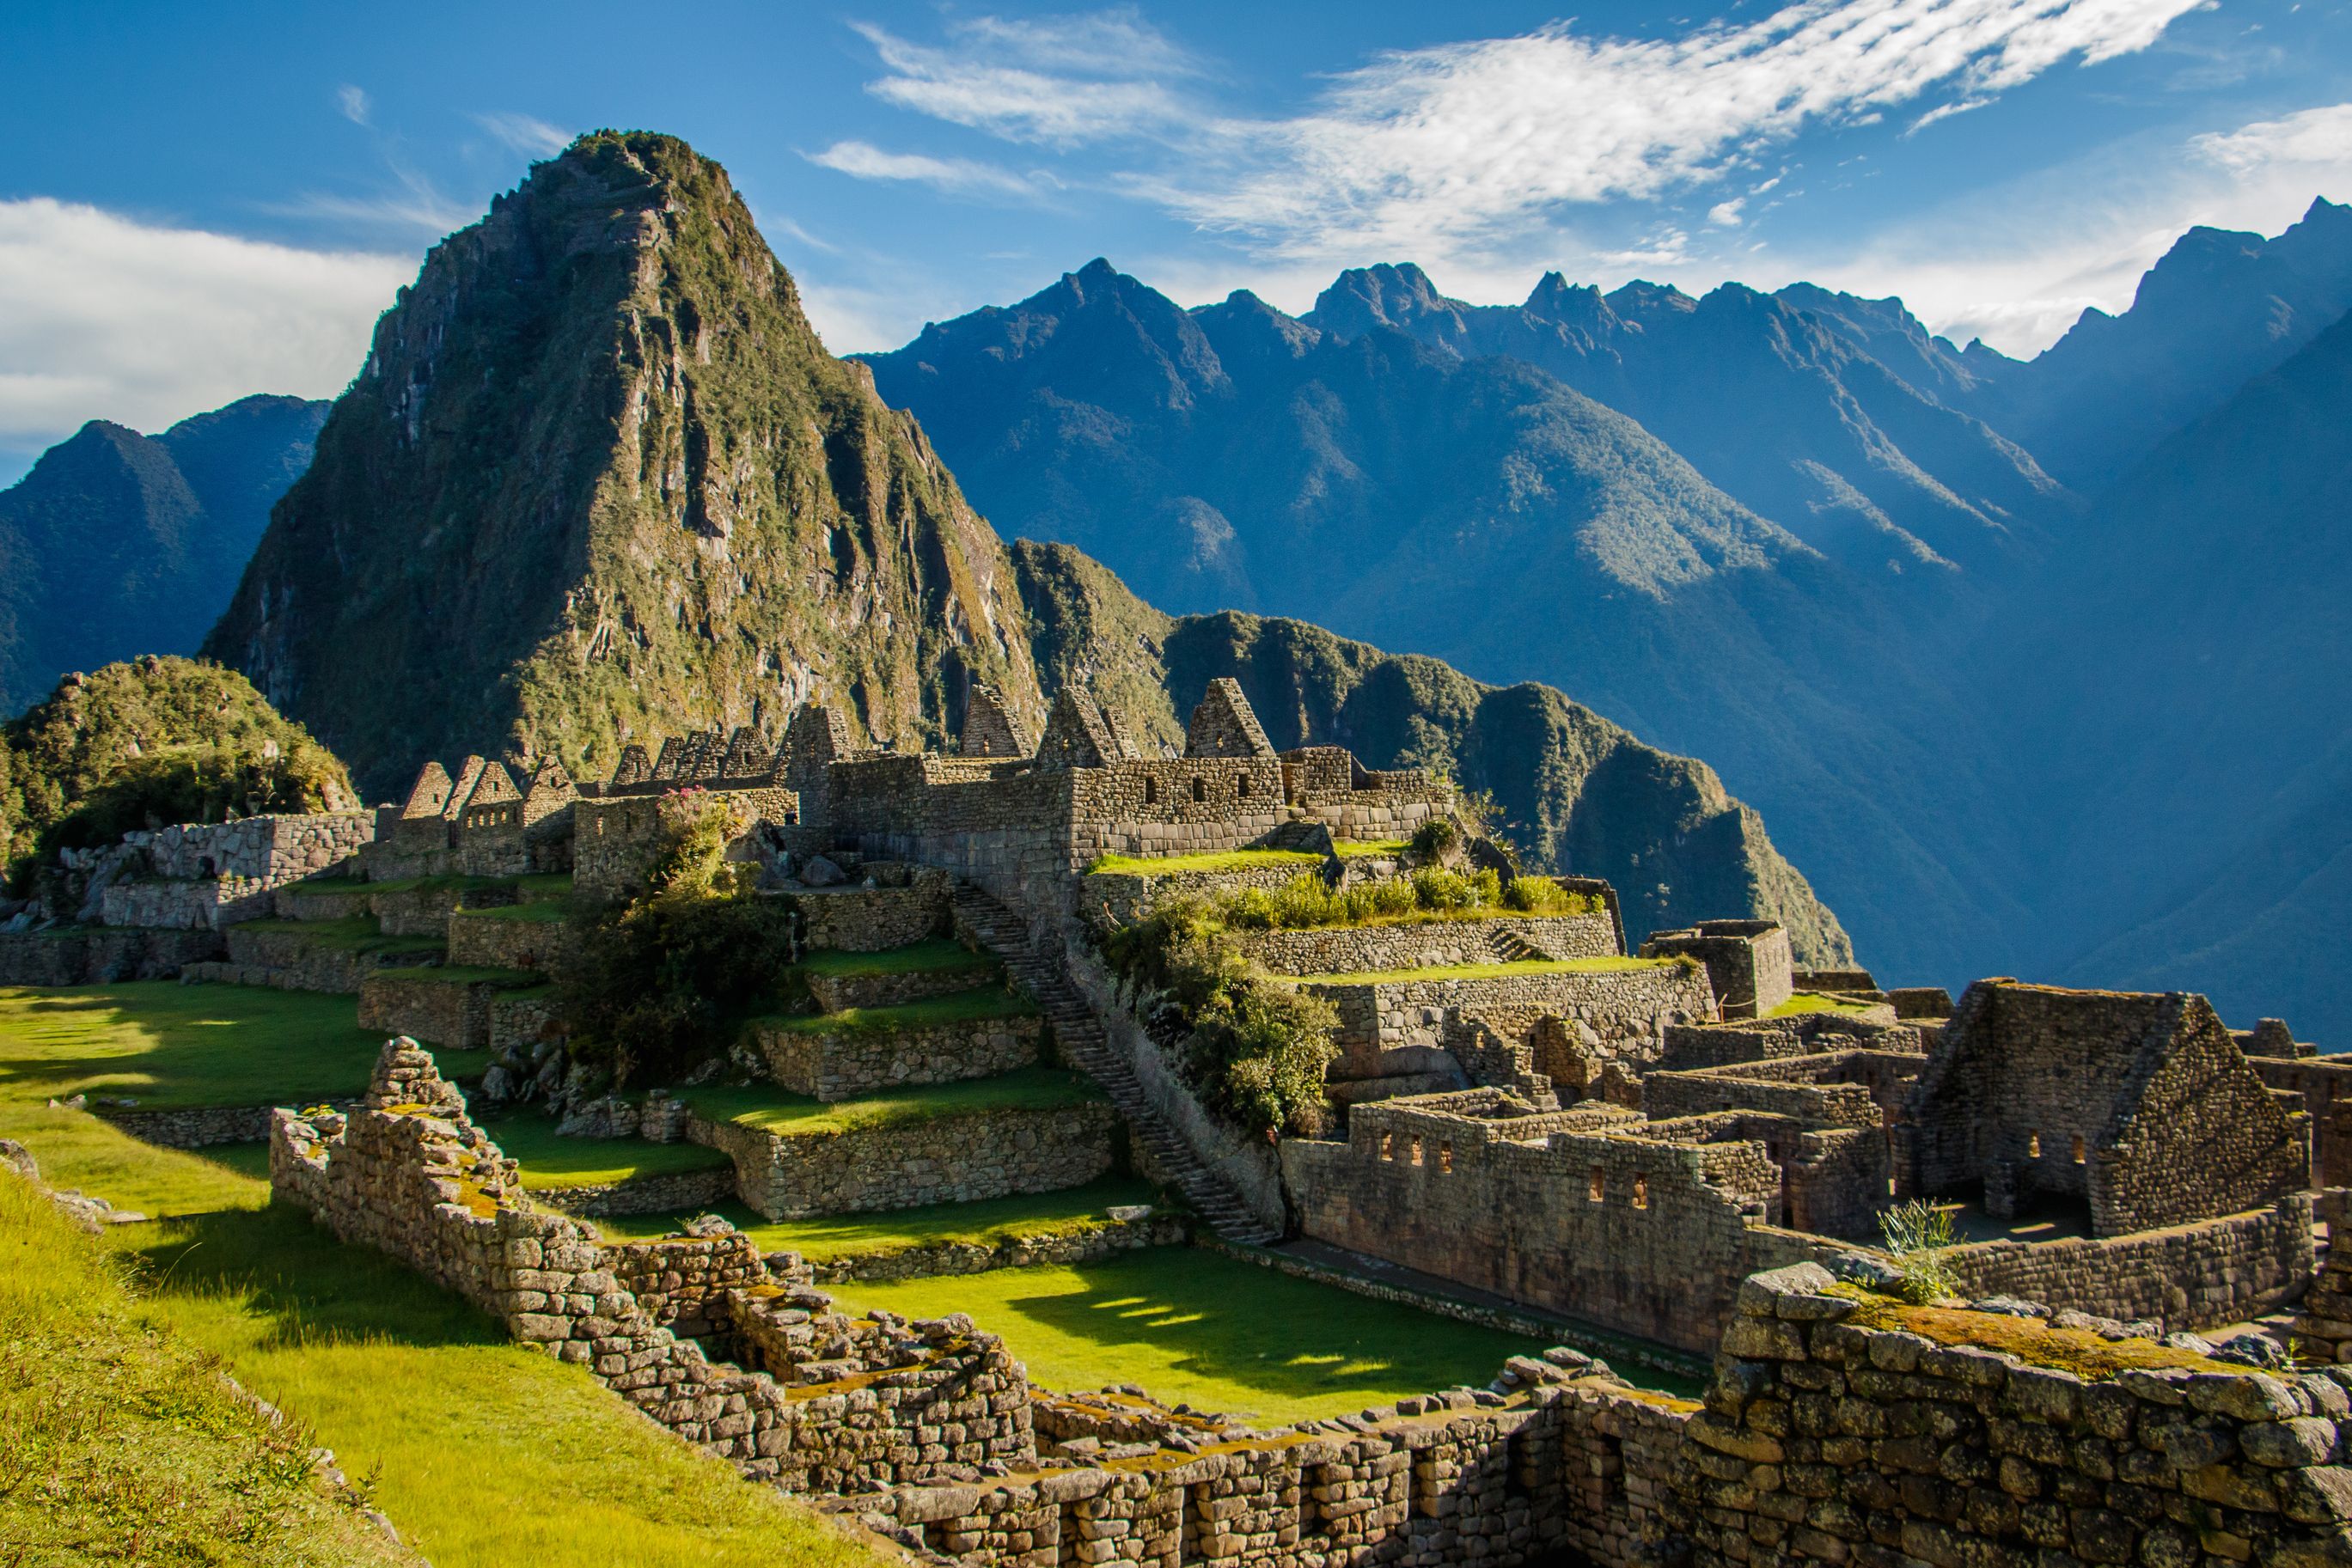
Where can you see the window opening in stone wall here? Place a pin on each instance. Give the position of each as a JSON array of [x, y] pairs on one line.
[[2033, 1145], [1445, 1159], [1200, 789], [1641, 1190], [2078, 1148], [1416, 1148], [1517, 1462], [1241, 787], [1597, 1189], [1609, 1469], [1388, 1145], [1151, 791]]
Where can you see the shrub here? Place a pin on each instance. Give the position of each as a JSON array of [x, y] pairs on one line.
[[1435, 887], [1542, 895], [1257, 1050], [1438, 839], [657, 984], [1918, 1234]]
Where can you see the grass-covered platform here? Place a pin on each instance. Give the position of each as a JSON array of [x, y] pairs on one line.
[[1601, 966], [352, 934], [769, 1109], [956, 1007], [1225, 860], [937, 956], [830, 1238], [551, 1164], [1211, 1330]]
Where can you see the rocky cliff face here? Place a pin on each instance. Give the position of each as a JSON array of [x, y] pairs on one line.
[[119, 543], [1572, 791], [598, 480]]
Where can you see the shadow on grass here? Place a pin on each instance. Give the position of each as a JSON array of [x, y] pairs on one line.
[[310, 1288], [1282, 1338]]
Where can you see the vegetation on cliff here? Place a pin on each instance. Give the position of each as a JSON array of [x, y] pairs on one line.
[[148, 743], [598, 481]]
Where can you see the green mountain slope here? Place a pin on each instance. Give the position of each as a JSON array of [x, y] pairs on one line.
[[598, 481], [118, 543], [1575, 792]]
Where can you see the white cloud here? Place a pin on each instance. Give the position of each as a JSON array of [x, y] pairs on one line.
[[530, 136], [1726, 215], [105, 318], [1059, 82], [354, 103], [2314, 136], [412, 203], [1461, 150], [954, 176]]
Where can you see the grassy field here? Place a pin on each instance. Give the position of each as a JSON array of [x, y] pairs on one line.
[[765, 1106], [548, 912], [1604, 966], [1369, 848], [170, 1046], [974, 1006], [1219, 1334], [937, 955], [485, 1454], [353, 932], [140, 1451], [985, 1224], [550, 1161], [1228, 860], [1815, 1002]]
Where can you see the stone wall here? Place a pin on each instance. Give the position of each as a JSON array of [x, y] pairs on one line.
[[1575, 1211], [842, 1061], [186, 906], [1747, 962], [2196, 1276], [840, 993], [1123, 898], [409, 1174], [1096, 1242], [89, 956], [423, 1004], [943, 1159], [271, 850], [674, 1193], [875, 919], [491, 939], [1358, 949], [2325, 1082], [201, 1127], [1837, 1432], [298, 961], [1626, 1009]]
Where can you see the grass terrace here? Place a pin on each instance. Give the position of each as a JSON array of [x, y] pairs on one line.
[[1816, 1002], [958, 1007], [549, 1163], [1227, 859], [773, 1110], [1211, 1330], [939, 956], [985, 1223], [465, 975], [550, 911], [1602, 966], [173, 1047], [1370, 849], [353, 932]]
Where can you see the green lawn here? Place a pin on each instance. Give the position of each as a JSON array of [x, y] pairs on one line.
[[1228, 860], [544, 887], [938, 956], [1815, 1002], [854, 1235], [463, 975], [486, 1454], [765, 1106], [549, 913], [356, 932], [1370, 849], [1604, 966], [1218, 1334], [170, 1046], [980, 1003], [550, 1161]]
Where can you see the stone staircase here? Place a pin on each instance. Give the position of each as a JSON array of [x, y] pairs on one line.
[[1086, 1047], [1512, 948]]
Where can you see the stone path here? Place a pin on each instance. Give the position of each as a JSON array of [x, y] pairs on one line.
[[1086, 1047]]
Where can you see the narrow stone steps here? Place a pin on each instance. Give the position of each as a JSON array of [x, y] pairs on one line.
[[1086, 1045]]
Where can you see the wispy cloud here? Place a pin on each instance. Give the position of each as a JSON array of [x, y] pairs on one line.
[[1057, 82], [953, 176], [352, 102], [412, 202], [526, 134], [1456, 149], [2321, 137], [103, 317]]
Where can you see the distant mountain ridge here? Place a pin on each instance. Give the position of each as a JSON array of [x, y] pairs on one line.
[[118, 544]]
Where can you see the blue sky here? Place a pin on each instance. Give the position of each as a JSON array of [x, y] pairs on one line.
[[201, 202]]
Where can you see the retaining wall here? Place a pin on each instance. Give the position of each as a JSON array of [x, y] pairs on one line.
[[844, 1062], [1354, 949]]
